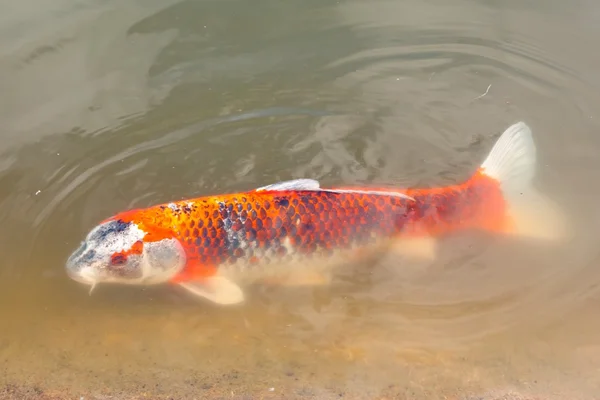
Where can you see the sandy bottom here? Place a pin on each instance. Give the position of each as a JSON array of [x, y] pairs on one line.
[[13, 391], [178, 349]]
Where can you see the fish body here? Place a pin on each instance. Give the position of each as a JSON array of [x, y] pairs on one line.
[[296, 232], [246, 231]]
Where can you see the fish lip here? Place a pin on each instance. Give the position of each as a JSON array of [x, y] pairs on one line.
[[82, 275], [81, 279]]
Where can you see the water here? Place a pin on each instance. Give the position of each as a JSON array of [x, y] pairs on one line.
[[118, 104]]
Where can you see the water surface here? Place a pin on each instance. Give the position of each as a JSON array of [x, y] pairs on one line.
[[118, 104]]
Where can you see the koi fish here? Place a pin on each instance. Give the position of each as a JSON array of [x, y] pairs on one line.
[[296, 232]]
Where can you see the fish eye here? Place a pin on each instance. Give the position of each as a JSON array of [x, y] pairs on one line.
[[90, 255]]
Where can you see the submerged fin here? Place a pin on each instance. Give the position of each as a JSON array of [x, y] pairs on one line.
[[217, 289], [296, 184], [512, 162], [420, 248]]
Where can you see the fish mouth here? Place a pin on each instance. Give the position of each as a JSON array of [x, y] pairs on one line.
[[84, 275], [86, 279]]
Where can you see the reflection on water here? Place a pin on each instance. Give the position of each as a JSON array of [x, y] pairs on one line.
[[125, 104]]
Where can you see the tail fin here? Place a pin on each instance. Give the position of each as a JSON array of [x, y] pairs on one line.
[[512, 162]]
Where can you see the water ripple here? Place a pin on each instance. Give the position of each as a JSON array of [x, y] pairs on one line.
[[394, 93]]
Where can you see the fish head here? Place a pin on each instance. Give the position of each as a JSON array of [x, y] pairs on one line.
[[119, 251]]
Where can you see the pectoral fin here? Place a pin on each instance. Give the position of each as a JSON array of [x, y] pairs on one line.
[[217, 289], [422, 248]]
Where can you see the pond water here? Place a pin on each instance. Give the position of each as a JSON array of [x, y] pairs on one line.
[[109, 105]]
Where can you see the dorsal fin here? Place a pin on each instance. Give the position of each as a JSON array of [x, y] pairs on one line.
[[379, 192], [311, 184], [295, 184]]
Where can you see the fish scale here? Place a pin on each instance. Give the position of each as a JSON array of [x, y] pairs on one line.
[[266, 227], [293, 228]]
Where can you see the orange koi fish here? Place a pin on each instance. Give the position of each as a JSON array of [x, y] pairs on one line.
[[295, 232]]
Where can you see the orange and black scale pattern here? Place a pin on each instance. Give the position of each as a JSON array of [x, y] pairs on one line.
[[265, 226]]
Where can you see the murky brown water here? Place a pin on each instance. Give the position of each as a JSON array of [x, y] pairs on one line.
[[115, 104]]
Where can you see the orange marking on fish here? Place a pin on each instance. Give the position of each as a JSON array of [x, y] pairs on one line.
[[252, 226], [121, 256]]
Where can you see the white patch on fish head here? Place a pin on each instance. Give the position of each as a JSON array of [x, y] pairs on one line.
[[115, 252]]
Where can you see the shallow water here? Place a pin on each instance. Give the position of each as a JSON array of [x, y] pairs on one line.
[[111, 105]]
